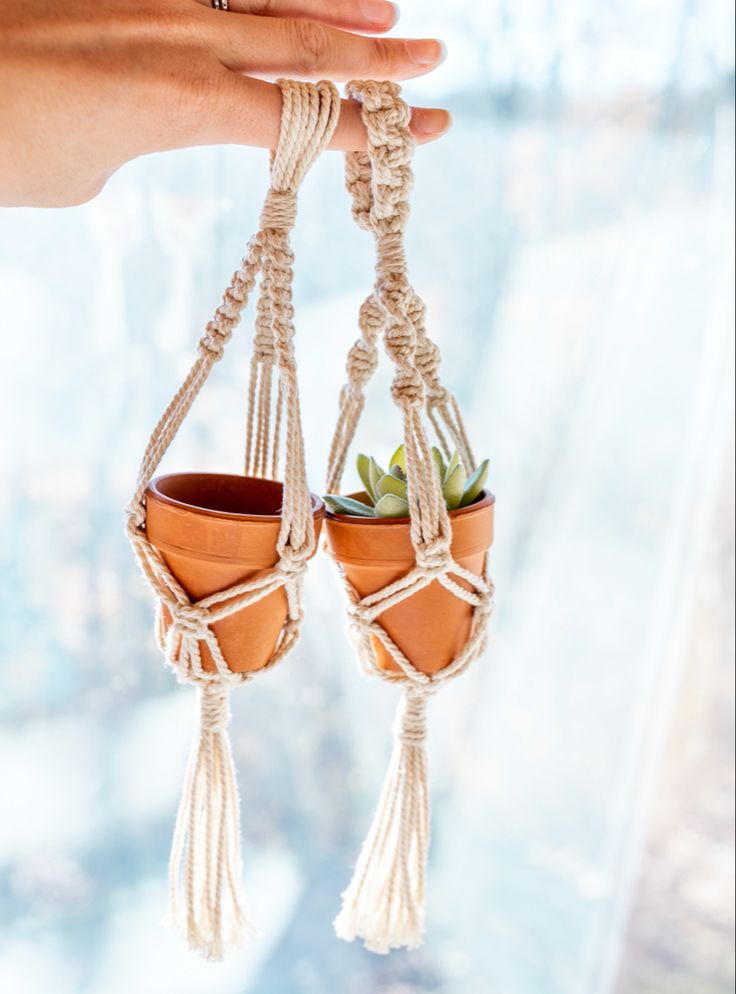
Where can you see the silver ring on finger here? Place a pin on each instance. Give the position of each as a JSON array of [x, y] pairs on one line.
[[219, 4]]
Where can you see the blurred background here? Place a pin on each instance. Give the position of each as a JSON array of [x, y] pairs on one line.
[[574, 240]]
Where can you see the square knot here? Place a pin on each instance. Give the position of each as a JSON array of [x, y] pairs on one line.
[[279, 211], [212, 343], [408, 388], [362, 361], [191, 620]]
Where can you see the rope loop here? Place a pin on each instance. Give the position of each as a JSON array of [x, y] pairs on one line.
[[384, 904]]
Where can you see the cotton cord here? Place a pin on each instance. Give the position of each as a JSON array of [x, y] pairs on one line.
[[384, 904], [205, 864]]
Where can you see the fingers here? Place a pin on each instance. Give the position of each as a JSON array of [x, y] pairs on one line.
[[244, 111], [427, 124], [355, 15], [270, 47]]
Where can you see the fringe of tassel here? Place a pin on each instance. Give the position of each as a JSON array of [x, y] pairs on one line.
[[385, 902], [205, 864]]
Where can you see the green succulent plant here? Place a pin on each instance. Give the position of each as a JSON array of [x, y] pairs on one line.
[[387, 491]]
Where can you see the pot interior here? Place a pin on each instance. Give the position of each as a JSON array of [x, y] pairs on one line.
[[221, 493]]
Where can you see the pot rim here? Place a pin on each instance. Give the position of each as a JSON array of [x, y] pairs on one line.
[[318, 505], [484, 499]]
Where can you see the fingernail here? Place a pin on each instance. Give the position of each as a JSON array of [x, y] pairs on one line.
[[427, 52], [430, 123], [380, 12]]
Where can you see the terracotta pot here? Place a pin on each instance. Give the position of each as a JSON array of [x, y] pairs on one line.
[[215, 530], [429, 627]]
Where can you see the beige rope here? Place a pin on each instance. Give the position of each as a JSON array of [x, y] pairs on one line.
[[385, 902], [204, 869]]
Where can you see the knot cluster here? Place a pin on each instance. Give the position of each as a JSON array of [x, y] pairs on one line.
[[293, 562], [190, 620], [435, 557]]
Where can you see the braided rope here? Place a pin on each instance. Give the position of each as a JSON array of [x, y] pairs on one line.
[[385, 902], [205, 867]]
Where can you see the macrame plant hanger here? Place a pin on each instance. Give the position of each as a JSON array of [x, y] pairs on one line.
[[205, 864], [385, 902]]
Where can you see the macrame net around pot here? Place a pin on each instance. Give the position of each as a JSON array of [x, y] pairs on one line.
[[226, 555], [420, 597]]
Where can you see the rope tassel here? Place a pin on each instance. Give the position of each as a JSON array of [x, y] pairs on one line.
[[385, 902], [205, 863]]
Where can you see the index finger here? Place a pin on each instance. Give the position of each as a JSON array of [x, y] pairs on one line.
[[241, 110]]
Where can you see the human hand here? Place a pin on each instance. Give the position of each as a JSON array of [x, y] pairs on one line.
[[88, 85]]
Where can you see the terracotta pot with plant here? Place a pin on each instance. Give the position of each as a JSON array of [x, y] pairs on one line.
[[370, 537], [226, 554], [412, 546]]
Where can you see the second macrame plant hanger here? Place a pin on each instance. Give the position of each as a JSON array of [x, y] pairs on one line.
[[385, 902]]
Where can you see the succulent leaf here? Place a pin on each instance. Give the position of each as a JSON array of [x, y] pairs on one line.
[[364, 473], [451, 466], [388, 492], [391, 506], [399, 459], [347, 505], [374, 475], [454, 487], [390, 485], [475, 484]]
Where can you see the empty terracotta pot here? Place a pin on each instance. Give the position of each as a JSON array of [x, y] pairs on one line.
[[215, 530], [432, 626]]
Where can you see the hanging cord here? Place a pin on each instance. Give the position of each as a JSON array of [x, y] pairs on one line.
[[385, 902], [205, 863]]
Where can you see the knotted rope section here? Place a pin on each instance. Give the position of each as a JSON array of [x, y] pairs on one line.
[[205, 864], [385, 902]]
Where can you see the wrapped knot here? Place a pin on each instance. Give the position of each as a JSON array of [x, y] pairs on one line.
[[411, 721], [212, 343], [191, 620], [279, 211], [214, 707], [435, 556]]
